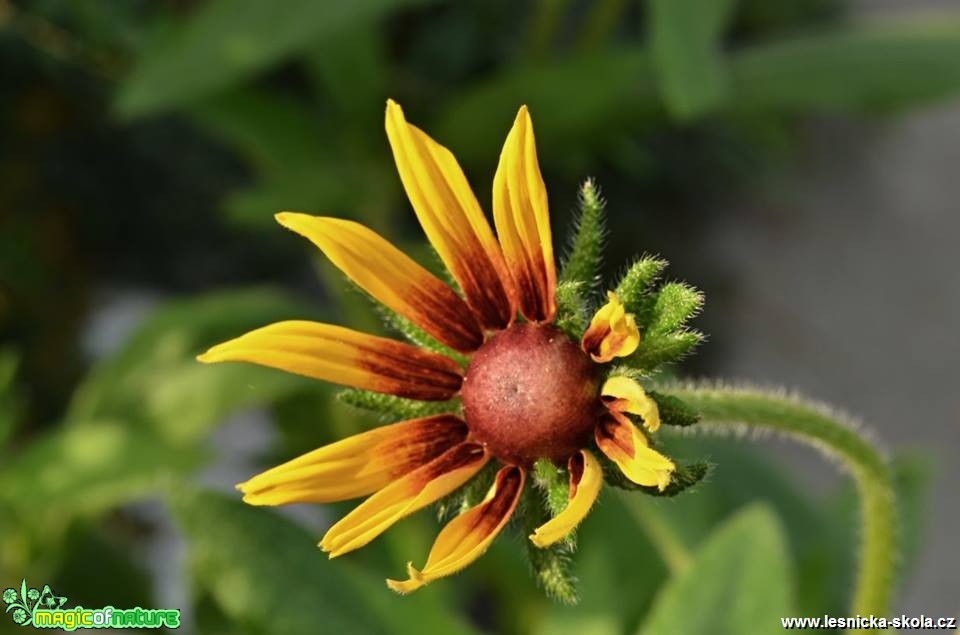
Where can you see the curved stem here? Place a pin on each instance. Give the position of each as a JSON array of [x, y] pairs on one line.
[[675, 554], [726, 409]]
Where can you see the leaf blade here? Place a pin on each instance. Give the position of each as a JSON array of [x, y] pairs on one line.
[[739, 582]]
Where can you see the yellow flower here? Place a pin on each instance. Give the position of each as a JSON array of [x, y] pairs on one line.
[[528, 392]]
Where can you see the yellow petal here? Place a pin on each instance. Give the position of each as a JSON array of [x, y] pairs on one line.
[[522, 218], [626, 446], [467, 537], [612, 332], [390, 276], [358, 465], [343, 356], [586, 477], [404, 496], [452, 219], [623, 394]]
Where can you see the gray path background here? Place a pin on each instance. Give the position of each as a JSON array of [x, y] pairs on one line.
[[850, 293]]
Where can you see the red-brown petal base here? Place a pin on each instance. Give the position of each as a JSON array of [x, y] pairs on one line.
[[531, 393]]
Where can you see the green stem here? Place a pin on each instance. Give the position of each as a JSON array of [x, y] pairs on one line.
[[674, 553], [726, 409]]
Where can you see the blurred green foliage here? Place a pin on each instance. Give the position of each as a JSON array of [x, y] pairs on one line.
[[146, 146]]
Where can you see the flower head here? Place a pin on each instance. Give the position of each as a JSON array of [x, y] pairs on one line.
[[9, 596], [33, 594], [533, 389], [19, 616]]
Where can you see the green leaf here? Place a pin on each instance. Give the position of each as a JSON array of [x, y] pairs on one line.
[[675, 304], [686, 39], [186, 400], [913, 477], [273, 131], [227, 41], [266, 572], [872, 66], [352, 69], [322, 184], [122, 578], [739, 583], [155, 378], [91, 467], [821, 539], [572, 100], [582, 265], [634, 286]]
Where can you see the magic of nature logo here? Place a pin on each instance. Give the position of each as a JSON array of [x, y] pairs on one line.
[[43, 608]]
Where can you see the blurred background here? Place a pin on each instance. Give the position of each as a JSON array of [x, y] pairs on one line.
[[795, 160]]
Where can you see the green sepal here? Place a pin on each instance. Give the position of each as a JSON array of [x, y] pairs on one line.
[[571, 317], [684, 477], [673, 410], [554, 482], [634, 286], [468, 495], [661, 349], [676, 302], [551, 566], [391, 408], [402, 326], [416, 335], [582, 264]]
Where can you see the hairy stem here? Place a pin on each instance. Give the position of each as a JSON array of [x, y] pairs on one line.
[[726, 409]]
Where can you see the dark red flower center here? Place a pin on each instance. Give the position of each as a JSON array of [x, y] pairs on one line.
[[531, 393]]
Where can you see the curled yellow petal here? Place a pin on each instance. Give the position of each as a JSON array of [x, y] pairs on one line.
[[612, 332], [404, 496], [626, 446], [623, 394], [522, 217], [452, 220], [358, 465], [586, 477], [390, 276], [467, 537], [344, 356]]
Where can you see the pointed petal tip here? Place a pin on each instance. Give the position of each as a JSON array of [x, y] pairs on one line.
[[253, 499], [288, 219], [325, 548], [213, 355]]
